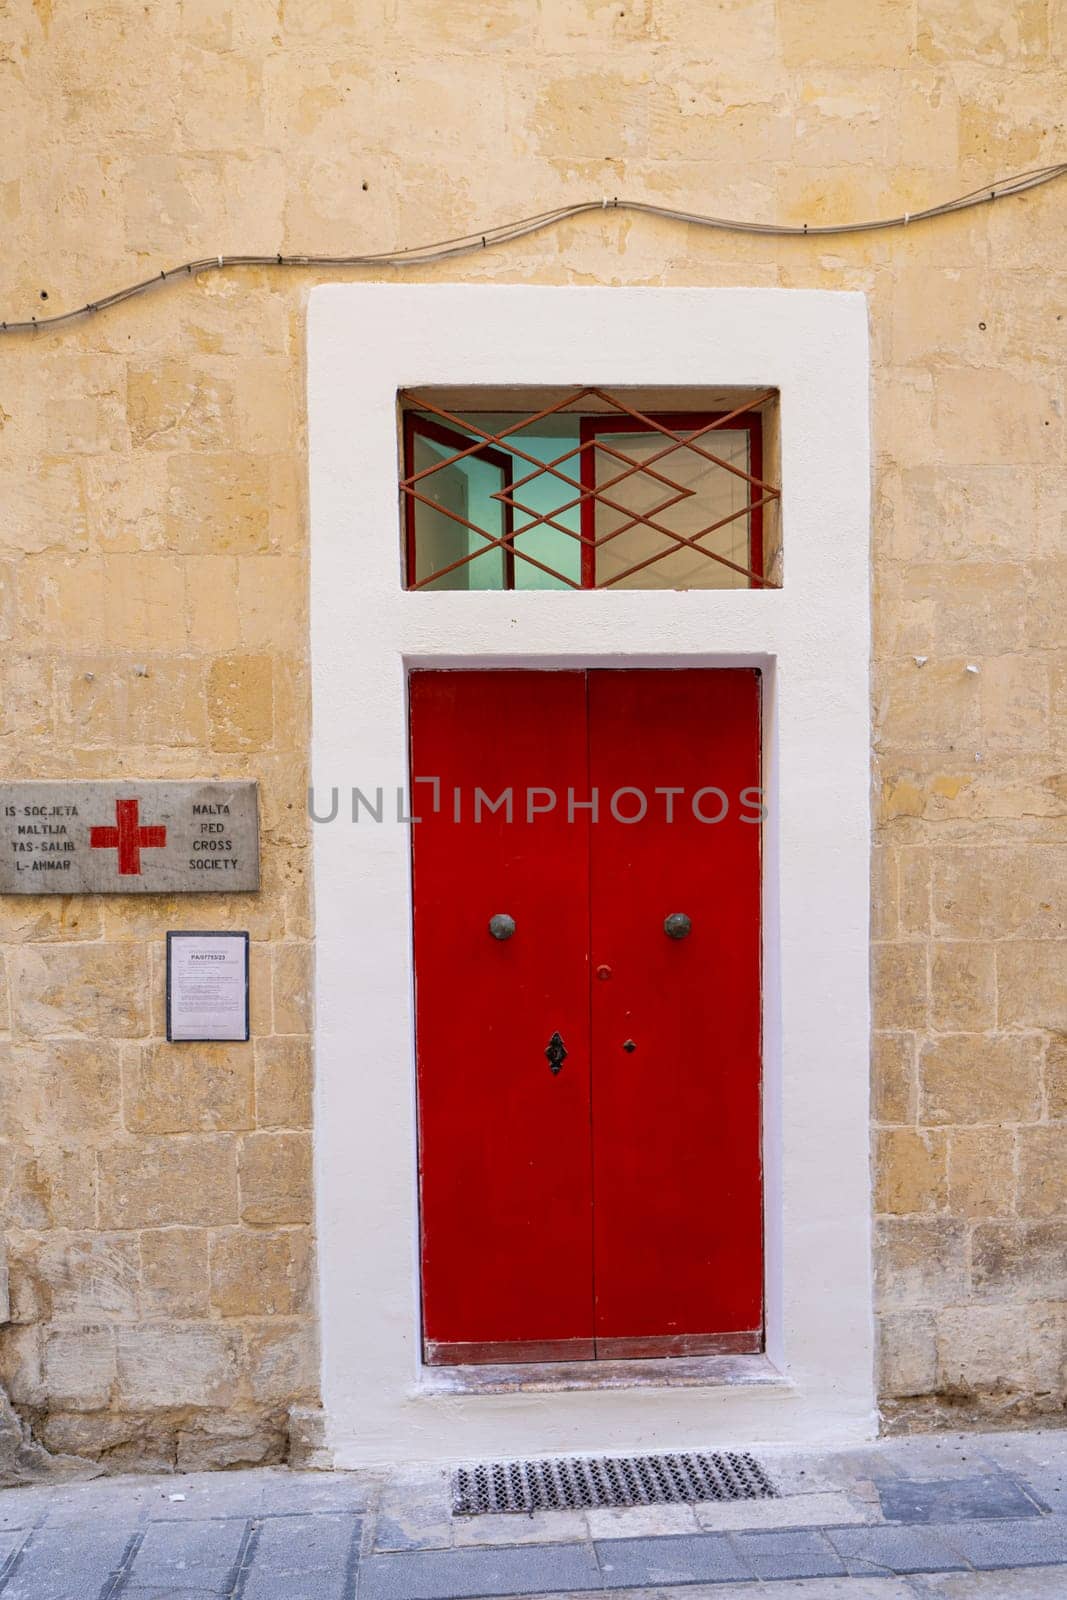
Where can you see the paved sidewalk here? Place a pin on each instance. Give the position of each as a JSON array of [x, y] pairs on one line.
[[947, 1516]]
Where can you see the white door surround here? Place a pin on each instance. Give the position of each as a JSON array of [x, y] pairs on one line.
[[811, 640]]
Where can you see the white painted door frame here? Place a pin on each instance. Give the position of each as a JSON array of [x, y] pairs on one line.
[[811, 639]]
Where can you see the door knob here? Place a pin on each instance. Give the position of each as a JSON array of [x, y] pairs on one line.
[[501, 926], [677, 925]]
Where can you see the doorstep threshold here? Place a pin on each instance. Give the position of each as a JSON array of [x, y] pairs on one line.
[[663, 1372]]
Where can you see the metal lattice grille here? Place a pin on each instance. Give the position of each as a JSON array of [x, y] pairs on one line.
[[588, 492], [585, 1481]]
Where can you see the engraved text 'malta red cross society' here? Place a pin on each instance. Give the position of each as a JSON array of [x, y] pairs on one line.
[[129, 838]]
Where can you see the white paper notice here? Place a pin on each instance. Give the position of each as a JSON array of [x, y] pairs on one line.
[[208, 986]]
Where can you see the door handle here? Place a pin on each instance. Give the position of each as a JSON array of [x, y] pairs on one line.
[[501, 926], [677, 925], [556, 1053]]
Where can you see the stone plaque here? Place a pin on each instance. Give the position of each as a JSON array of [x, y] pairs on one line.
[[128, 838]]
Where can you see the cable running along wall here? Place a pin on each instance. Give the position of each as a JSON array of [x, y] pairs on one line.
[[507, 232]]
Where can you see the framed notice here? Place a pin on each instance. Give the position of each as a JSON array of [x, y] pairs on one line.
[[207, 986]]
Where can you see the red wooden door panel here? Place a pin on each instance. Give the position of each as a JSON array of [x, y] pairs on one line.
[[676, 1120], [505, 1179]]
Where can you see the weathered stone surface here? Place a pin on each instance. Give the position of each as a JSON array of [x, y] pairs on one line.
[[195, 1088], [174, 1272], [93, 990], [893, 1077], [23, 1460], [981, 1172], [1027, 1260], [1043, 1171], [972, 1077], [275, 1171], [283, 1083], [176, 1364], [920, 1262], [911, 1171], [258, 1273], [155, 1182]]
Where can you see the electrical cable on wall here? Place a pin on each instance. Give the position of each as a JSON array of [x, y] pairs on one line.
[[507, 232]]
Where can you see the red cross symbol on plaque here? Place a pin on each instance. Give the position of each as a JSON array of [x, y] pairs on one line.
[[129, 838]]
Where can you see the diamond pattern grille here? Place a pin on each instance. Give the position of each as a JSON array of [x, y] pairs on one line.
[[634, 499], [584, 1481]]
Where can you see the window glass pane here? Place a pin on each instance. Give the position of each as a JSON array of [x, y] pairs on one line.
[[461, 493], [687, 495], [556, 544]]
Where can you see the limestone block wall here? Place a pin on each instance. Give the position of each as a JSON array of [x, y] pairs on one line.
[[153, 549]]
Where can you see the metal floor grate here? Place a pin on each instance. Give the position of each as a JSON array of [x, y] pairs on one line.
[[580, 1481]]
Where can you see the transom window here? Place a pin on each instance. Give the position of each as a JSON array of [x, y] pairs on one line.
[[586, 489]]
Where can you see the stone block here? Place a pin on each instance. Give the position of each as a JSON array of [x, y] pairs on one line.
[[928, 708], [177, 1364], [275, 1172], [1020, 1260], [907, 1353], [174, 1272], [894, 1092], [1002, 1348], [27, 708], [227, 1440], [981, 1172], [85, 1276], [143, 602], [163, 705], [962, 987], [188, 1088], [1056, 1076], [62, 1090], [973, 1078], [1031, 992], [292, 988], [177, 405], [983, 893], [1043, 1171], [832, 30], [240, 702], [212, 616], [885, 894], [990, 414], [983, 31], [282, 1362], [159, 1182], [218, 503], [919, 1262], [1015, 694], [81, 989], [272, 600], [283, 1083], [948, 608], [900, 986], [257, 1274], [910, 1173], [54, 1186], [79, 1367]]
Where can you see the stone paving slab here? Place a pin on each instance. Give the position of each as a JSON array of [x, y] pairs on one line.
[[993, 1494], [636, 1563], [201, 1555], [429, 1575], [1011, 1544], [893, 1549]]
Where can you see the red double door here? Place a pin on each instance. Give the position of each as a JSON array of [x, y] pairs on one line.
[[587, 1012]]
